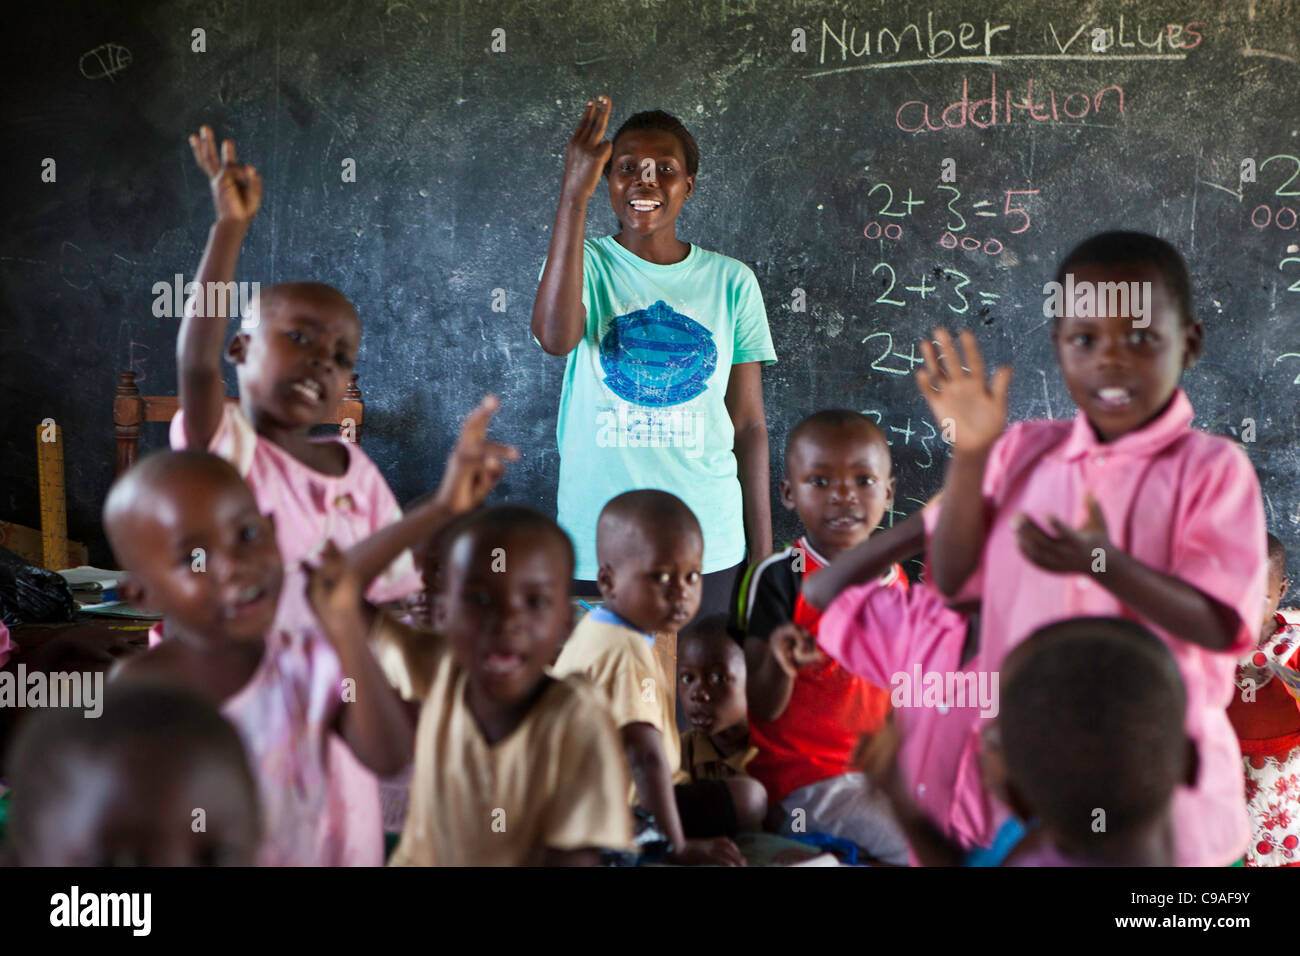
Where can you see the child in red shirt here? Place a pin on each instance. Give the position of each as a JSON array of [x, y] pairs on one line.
[[806, 712]]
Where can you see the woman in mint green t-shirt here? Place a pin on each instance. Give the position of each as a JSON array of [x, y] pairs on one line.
[[665, 344]]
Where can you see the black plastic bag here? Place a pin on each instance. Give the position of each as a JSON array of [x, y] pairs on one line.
[[32, 595]]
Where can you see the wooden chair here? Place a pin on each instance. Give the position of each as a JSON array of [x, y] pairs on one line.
[[131, 409]]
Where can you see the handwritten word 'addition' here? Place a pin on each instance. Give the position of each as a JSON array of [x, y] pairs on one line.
[[915, 116]]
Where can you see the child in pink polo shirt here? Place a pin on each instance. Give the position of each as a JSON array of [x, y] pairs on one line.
[[1127, 510], [293, 358], [906, 641]]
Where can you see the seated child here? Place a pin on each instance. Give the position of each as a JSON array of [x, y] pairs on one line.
[[899, 639], [806, 712], [122, 789], [513, 767], [1088, 745], [649, 547], [1267, 721], [714, 794], [293, 359], [1091, 734], [243, 637]]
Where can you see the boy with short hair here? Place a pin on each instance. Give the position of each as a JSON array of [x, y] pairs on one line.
[[1092, 720], [806, 712], [714, 793], [1088, 744], [154, 754], [649, 547], [512, 766]]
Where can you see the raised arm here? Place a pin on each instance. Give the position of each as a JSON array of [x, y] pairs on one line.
[[373, 720], [865, 561], [973, 414], [236, 194], [559, 317], [475, 465]]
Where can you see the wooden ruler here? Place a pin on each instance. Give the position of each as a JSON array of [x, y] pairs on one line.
[[54, 501]]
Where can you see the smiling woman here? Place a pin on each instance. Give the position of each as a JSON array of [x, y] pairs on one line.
[[657, 332]]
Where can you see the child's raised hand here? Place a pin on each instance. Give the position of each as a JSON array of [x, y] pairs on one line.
[[1079, 550], [333, 587], [959, 399], [475, 464], [588, 151], [793, 648], [236, 189]]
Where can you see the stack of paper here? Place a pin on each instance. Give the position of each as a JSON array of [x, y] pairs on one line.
[[98, 591]]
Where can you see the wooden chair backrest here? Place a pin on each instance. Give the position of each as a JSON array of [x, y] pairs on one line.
[[131, 410]]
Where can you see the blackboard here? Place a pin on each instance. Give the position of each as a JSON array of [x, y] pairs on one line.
[[812, 149]]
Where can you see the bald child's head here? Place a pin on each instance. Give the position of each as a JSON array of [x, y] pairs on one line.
[[838, 478], [711, 676], [651, 550], [186, 527], [1092, 719], [130, 787]]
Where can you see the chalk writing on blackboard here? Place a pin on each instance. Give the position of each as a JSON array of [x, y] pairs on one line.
[[914, 116], [1294, 286], [1012, 208], [1106, 41], [957, 300], [1278, 215], [104, 61], [924, 433], [1286, 355]]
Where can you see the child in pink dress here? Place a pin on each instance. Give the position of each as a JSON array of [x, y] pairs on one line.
[[293, 358], [243, 636], [1127, 510], [1267, 721], [274, 658]]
